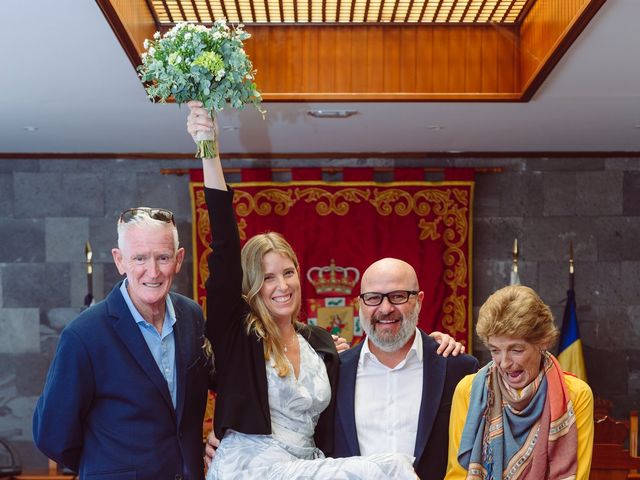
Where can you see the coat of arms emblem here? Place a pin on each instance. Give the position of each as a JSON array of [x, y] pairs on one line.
[[336, 309]]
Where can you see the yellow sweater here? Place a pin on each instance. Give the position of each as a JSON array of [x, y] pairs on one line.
[[581, 396]]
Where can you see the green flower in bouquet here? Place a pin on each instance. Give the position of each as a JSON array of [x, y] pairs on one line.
[[193, 62]]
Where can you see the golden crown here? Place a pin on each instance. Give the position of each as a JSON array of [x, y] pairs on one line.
[[333, 279]]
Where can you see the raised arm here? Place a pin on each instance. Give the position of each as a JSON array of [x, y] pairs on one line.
[[199, 120], [224, 285]]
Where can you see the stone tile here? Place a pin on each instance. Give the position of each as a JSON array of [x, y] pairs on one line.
[[22, 240], [61, 165], [6, 195], [521, 194], [19, 165], [38, 195], [120, 191], [31, 371], [493, 237], [553, 281], [281, 176], [111, 278], [1, 295], [571, 164], [487, 196], [78, 279], [632, 163], [630, 273], [491, 275], [65, 239], [602, 325], [88, 195], [254, 163], [631, 193], [58, 318], [599, 193], [32, 458], [559, 193], [233, 177], [16, 423], [103, 235], [165, 191], [48, 339], [510, 164], [548, 238], [610, 381], [596, 283], [618, 238], [20, 329], [36, 285], [184, 236]]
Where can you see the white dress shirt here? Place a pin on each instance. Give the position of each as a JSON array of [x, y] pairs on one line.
[[387, 401]]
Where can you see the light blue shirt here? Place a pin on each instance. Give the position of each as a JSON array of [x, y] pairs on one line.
[[161, 345]]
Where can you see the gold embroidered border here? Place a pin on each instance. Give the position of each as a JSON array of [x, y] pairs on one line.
[[444, 211]]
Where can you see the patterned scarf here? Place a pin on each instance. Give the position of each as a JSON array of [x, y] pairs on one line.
[[512, 434]]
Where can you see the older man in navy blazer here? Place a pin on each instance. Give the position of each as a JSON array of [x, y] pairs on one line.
[[394, 392], [126, 392]]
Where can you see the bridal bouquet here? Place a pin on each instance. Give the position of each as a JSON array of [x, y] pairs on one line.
[[193, 62]]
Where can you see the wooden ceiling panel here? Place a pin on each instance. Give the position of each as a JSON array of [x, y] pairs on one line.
[[380, 50]]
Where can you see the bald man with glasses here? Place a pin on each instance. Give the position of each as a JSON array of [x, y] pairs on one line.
[[126, 391], [395, 390]]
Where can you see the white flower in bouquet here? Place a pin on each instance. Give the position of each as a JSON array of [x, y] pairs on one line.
[[193, 62]]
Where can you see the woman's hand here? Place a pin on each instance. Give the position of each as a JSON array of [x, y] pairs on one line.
[[341, 343], [199, 120], [448, 345], [210, 448]]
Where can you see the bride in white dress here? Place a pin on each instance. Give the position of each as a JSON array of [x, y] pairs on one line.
[[290, 452], [276, 377]]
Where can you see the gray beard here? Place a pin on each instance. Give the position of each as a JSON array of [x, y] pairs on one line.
[[389, 342]]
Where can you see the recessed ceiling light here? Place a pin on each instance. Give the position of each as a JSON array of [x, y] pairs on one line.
[[30, 128], [230, 128], [435, 128], [332, 113], [636, 126]]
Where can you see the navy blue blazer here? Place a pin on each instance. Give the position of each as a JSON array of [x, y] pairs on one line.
[[440, 377], [106, 411]]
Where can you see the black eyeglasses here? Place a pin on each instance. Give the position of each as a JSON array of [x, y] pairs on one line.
[[156, 213], [397, 297]]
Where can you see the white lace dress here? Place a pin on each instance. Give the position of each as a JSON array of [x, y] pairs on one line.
[[290, 452]]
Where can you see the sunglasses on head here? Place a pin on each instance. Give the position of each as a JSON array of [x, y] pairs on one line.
[[156, 213]]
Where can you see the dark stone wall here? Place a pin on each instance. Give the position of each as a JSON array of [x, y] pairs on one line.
[[50, 208]]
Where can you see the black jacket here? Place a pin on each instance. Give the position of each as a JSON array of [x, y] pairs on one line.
[[242, 403]]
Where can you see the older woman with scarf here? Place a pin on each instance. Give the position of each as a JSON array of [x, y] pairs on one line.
[[520, 416]]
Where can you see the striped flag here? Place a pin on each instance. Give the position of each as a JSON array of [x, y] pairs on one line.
[[570, 352]]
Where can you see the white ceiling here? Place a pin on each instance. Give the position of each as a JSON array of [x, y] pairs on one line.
[[64, 72]]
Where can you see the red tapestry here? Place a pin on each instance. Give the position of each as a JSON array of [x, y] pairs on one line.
[[338, 228]]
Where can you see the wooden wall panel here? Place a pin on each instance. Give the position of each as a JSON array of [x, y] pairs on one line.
[[474, 60], [546, 33], [131, 22], [408, 56], [376, 62], [424, 54]]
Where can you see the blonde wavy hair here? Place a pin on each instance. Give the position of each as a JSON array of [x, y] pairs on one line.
[[517, 311], [259, 320]]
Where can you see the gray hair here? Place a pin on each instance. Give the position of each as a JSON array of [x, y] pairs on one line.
[[142, 218]]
